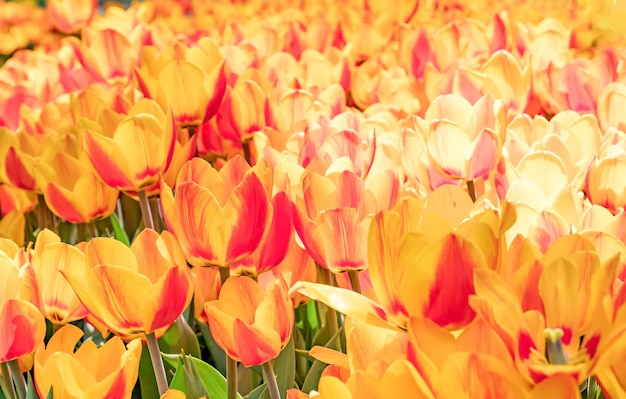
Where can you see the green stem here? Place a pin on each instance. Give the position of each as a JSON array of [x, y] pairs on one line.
[[146, 212], [354, 281], [331, 314], [231, 377], [18, 378], [246, 151], [7, 383], [93, 229], [157, 363], [156, 214], [471, 190], [270, 378], [231, 364]]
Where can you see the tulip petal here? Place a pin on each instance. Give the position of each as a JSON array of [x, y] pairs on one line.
[[345, 239], [444, 275], [345, 301], [483, 155], [240, 297], [23, 328], [448, 147], [247, 212], [255, 345]]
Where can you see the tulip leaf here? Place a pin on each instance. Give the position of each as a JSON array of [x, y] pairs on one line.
[[147, 380], [285, 368], [315, 372], [214, 382], [218, 356], [118, 232], [31, 391], [180, 336], [302, 363], [260, 392], [312, 314]]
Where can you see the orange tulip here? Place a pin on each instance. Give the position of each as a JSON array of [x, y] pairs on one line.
[[107, 55], [131, 152], [45, 286], [250, 325], [109, 371], [334, 216], [191, 80], [70, 16], [74, 192], [570, 334], [23, 326], [218, 217], [132, 291]]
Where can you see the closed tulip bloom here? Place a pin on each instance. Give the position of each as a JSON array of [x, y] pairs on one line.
[[89, 372], [218, 217], [74, 191], [133, 291], [42, 283], [22, 325], [132, 153], [190, 80], [250, 325], [70, 16]]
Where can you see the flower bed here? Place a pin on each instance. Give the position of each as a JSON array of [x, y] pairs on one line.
[[313, 199]]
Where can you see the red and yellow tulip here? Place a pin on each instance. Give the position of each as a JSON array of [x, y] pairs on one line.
[[211, 210], [132, 291], [108, 371], [250, 324]]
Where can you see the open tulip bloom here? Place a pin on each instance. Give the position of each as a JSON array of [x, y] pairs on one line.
[[337, 199]]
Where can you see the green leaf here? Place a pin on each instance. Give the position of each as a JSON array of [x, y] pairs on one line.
[[218, 356], [285, 368], [118, 231], [147, 380], [260, 392], [180, 336], [312, 316], [213, 381], [302, 363], [193, 383], [50, 394], [315, 372], [31, 391]]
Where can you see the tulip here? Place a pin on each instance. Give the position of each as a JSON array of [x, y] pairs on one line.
[[132, 291], [109, 371], [464, 140], [192, 86], [218, 217], [130, 152], [107, 54], [605, 182], [570, 334], [45, 286], [249, 324], [21, 323], [71, 16], [334, 216], [74, 192]]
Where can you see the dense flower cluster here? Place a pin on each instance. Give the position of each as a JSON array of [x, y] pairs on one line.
[[425, 196]]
